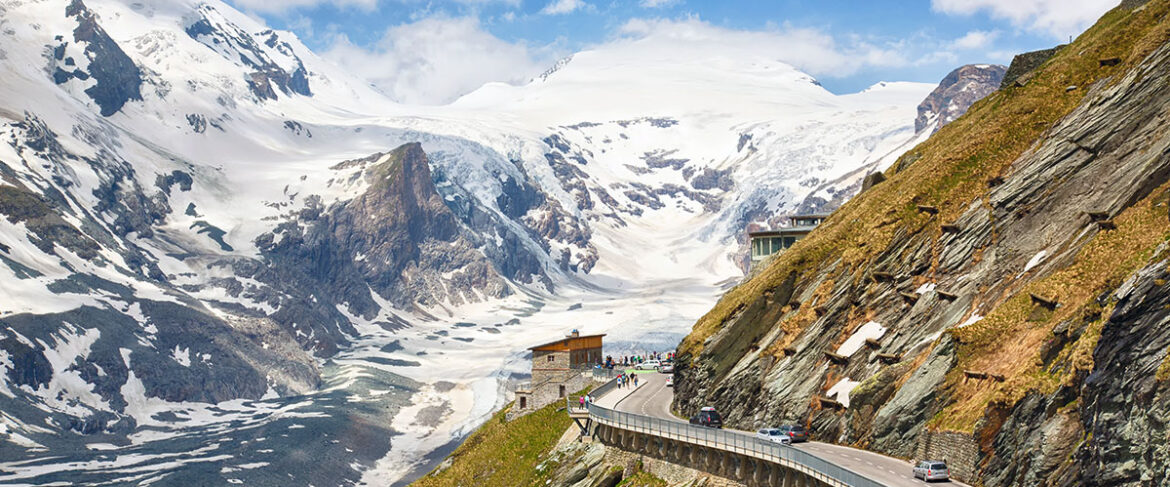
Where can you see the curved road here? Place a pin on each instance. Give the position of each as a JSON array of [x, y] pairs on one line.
[[653, 398]]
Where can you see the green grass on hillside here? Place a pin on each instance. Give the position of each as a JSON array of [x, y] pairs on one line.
[[504, 454], [642, 479]]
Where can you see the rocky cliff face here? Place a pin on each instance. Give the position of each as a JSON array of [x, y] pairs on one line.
[[397, 241], [1005, 284], [956, 93]]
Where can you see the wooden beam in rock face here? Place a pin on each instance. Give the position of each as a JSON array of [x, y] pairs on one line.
[[995, 181], [874, 344], [928, 209], [1106, 225], [1097, 215], [837, 359], [889, 358], [909, 297], [1110, 61], [882, 277], [947, 296], [979, 375], [789, 351], [950, 228], [829, 403], [972, 374], [1049, 303]]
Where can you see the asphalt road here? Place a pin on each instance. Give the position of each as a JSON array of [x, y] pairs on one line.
[[653, 399]]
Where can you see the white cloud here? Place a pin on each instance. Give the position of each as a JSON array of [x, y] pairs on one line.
[[811, 50], [658, 3], [976, 39], [1058, 18], [438, 59], [270, 6], [558, 7], [280, 6]]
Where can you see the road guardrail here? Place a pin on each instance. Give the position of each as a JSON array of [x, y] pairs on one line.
[[733, 441]]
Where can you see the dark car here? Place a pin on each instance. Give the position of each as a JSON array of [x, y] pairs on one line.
[[708, 417], [796, 432]]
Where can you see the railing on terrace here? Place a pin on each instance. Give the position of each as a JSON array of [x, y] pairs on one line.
[[726, 440], [603, 373]]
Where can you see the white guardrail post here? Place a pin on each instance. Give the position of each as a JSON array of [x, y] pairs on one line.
[[728, 440]]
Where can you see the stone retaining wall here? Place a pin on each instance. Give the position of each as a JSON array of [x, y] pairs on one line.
[[959, 450], [673, 474]]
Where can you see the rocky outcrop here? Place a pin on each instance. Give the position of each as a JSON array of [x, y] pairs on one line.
[[268, 73], [398, 238], [117, 79], [1016, 308], [1024, 63], [956, 93]]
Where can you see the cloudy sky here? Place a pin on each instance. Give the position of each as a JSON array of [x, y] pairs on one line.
[[433, 51]]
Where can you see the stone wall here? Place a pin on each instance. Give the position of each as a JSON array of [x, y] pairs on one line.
[[548, 390], [959, 450], [672, 473], [1024, 63]]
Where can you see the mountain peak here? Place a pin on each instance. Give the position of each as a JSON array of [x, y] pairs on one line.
[[957, 91]]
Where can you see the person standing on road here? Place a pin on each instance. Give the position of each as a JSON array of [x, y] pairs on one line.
[[635, 381]]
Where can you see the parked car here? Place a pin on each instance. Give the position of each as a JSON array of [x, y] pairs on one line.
[[666, 368], [796, 432], [774, 435], [670, 381], [648, 365], [708, 417], [930, 470]]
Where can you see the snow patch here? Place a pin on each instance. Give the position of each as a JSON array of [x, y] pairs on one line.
[[1035, 261], [970, 321], [871, 330], [840, 391], [183, 357]]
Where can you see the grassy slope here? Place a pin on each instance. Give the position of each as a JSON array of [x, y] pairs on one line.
[[949, 171], [500, 453]]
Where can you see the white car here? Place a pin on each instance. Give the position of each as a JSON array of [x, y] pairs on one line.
[[775, 435], [670, 382], [649, 365]]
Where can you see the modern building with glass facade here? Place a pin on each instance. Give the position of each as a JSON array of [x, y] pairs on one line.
[[766, 243]]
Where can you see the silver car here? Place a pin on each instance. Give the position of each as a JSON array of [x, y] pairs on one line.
[[775, 435], [930, 470]]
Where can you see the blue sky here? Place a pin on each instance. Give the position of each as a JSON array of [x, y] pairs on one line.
[[432, 51]]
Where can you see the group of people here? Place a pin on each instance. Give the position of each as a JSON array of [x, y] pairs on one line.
[[624, 380], [585, 400]]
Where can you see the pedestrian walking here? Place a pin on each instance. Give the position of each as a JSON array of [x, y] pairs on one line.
[[635, 381]]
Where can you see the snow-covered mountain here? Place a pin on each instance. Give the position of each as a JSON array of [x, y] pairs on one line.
[[957, 91], [221, 252]]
